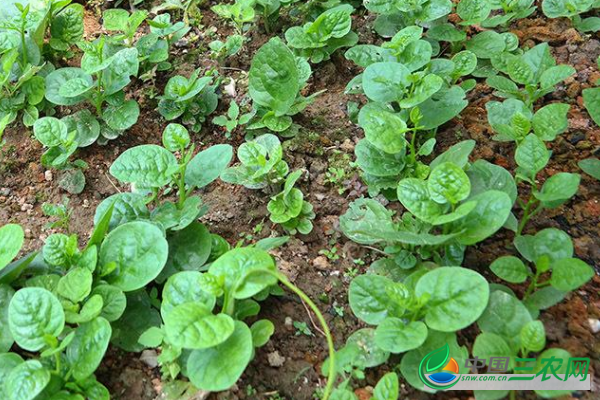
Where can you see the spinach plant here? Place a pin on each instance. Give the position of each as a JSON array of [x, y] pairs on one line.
[[502, 12], [397, 14], [103, 75], [59, 309], [556, 272], [222, 50], [449, 210], [591, 100], [513, 120], [573, 9], [535, 70], [240, 13], [518, 339], [319, 39], [407, 319], [289, 209], [232, 119], [532, 157], [275, 80], [591, 166], [62, 138], [405, 98], [152, 168], [23, 31], [262, 164], [193, 99], [197, 341]]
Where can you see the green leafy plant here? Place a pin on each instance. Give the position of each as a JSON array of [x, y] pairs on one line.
[[400, 13], [289, 209], [532, 157], [404, 99], [152, 169], [232, 119], [61, 212], [23, 29], [275, 80], [103, 75], [445, 213], [518, 339], [262, 164], [591, 100], [193, 99], [240, 13], [62, 138], [572, 9], [551, 252], [535, 70], [319, 39], [503, 11], [222, 50], [513, 120], [591, 166], [407, 319], [195, 338]]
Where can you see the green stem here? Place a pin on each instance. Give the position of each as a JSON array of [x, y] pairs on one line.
[[57, 360], [528, 214], [331, 370]]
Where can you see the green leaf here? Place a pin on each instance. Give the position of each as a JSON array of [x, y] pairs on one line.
[[533, 336], [147, 165], [86, 126], [11, 241], [273, 77], [59, 78], [591, 101], [457, 154], [488, 345], [88, 347], [262, 330], [140, 252], [486, 44], [385, 82], [26, 381], [490, 214], [207, 165], [186, 287], [383, 129], [139, 316], [115, 19], [414, 194], [236, 267], [126, 207], [175, 137], [114, 301], [362, 216], [122, 116], [32, 314], [485, 176], [189, 249], [591, 166], [76, 285], [458, 297], [473, 11], [369, 299], [6, 339], [387, 388], [397, 336], [549, 243], [448, 183], [555, 75], [152, 338], [369, 355], [570, 273], [218, 368], [193, 326], [50, 131], [510, 269], [505, 316], [559, 188], [544, 298]]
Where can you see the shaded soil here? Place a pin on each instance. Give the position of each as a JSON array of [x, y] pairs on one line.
[[326, 138]]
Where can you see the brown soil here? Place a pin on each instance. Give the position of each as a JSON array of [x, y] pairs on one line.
[[326, 134]]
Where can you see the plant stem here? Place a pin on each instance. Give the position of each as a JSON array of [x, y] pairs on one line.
[[331, 370], [528, 214]]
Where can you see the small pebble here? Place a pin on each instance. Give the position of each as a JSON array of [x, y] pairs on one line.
[[594, 325], [275, 359], [48, 176]]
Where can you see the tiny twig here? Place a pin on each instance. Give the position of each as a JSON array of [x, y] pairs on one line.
[[312, 321], [112, 183]]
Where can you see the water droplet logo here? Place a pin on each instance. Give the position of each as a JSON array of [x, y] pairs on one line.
[[438, 370]]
